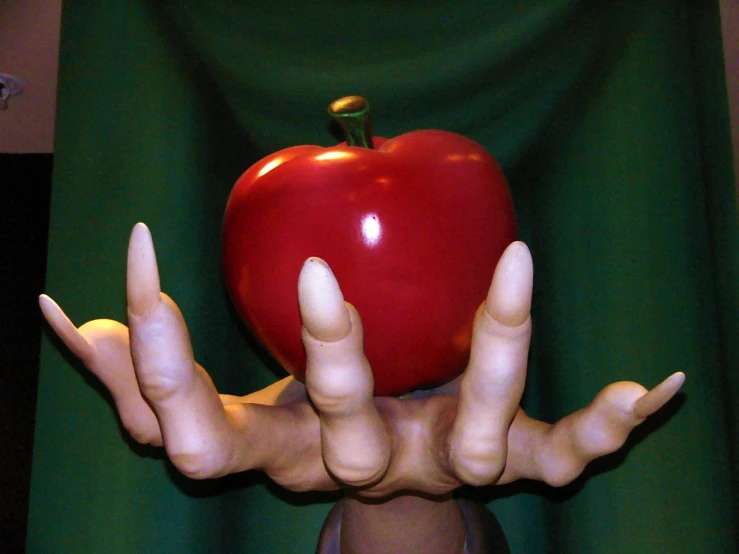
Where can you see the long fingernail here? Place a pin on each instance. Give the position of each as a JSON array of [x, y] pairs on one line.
[[509, 297], [142, 274], [322, 307]]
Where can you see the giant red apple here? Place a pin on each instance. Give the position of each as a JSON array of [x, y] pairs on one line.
[[412, 227]]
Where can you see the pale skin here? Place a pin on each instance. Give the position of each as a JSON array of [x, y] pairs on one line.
[[330, 432]]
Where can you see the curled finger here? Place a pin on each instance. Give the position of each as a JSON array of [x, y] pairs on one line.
[[355, 443], [66, 330], [198, 435], [492, 385], [103, 346]]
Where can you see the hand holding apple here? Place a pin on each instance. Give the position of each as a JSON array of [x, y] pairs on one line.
[[463, 432]]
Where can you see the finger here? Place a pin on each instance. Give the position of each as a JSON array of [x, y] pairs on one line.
[[103, 347], [355, 444], [492, 385], [197, 434], [659, 395], [65, 329], [112, 364]]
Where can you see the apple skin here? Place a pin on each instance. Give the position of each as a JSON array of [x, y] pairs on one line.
[[412, 229]]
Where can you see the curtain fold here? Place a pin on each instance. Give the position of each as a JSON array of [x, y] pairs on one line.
[[610, 120]]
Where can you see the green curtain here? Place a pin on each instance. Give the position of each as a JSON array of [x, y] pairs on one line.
[[610, 120]]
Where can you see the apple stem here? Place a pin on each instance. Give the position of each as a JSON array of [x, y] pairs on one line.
[[353, 114]]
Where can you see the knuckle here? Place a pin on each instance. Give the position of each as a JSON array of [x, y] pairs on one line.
[[557, 469], [336, 405], [160, 385], [479, 466], [557, 479], [202, 465], [301, 479], [293, 484], [559, 476], [477, 474], [338, 392], [143, 436], [358, 475], [356, 469]]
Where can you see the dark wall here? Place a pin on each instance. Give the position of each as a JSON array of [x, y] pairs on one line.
[[25, 186]]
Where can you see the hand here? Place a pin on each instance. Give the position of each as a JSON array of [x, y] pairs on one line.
[[469, 431]]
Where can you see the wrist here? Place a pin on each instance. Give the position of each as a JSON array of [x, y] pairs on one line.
[[404, 523], [481, 532]]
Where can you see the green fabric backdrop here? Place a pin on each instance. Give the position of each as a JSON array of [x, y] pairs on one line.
[[610, 120]]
